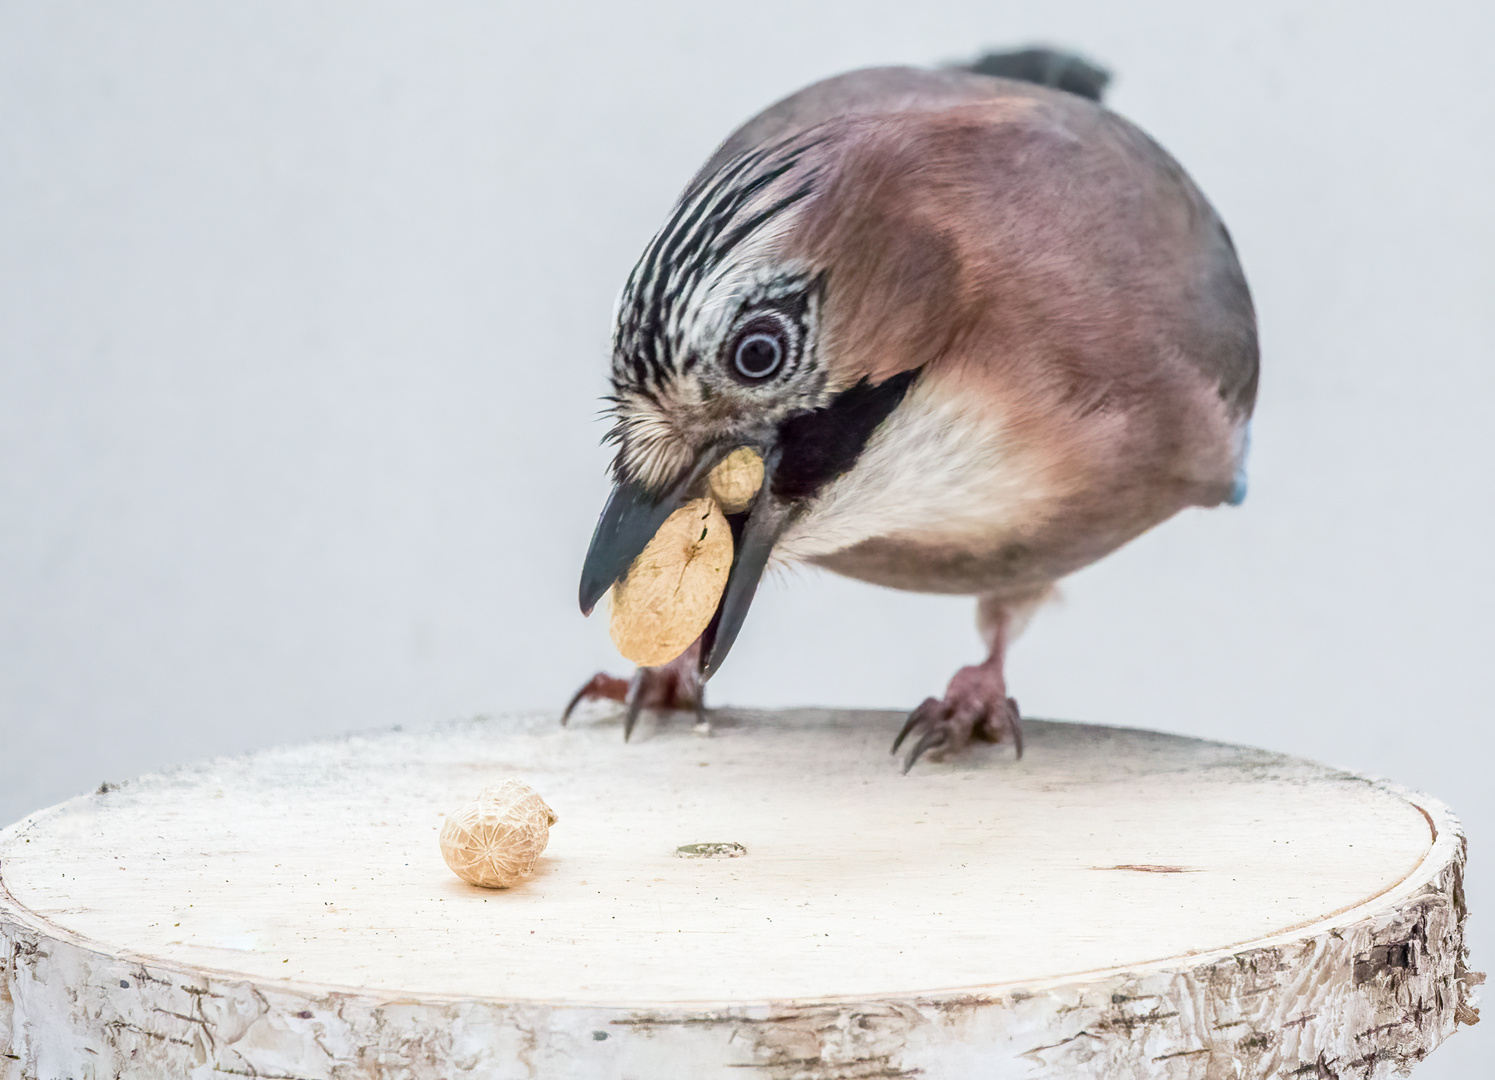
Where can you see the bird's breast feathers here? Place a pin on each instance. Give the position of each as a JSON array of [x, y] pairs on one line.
[[961, 491]]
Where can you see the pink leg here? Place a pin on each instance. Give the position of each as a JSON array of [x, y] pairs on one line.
[[975, 705], [675, 686]]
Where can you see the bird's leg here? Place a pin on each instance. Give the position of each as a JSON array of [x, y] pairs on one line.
[[975, 705], [674, 686]]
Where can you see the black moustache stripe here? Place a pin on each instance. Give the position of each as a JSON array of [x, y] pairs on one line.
[[816, 447]]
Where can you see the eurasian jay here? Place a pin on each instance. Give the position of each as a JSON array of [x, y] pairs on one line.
[[982, 331]]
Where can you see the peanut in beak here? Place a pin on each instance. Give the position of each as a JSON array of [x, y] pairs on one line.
[[670, 593]]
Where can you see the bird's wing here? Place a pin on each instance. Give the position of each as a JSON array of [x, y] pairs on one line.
[[1029, 220]]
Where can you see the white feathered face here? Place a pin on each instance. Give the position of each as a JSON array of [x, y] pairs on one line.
[[739, 359], [718, 345], [717, 329]]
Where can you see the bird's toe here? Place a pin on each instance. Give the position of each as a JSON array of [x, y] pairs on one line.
[[600, 687], [975, 706], [939, 726], [1002, 721]]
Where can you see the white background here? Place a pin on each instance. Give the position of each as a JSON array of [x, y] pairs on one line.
[[304, 314]]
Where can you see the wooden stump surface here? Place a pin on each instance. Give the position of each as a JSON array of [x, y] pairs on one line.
[[1118, 903]]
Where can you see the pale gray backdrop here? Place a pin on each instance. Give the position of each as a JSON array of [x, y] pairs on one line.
[[304, 314]]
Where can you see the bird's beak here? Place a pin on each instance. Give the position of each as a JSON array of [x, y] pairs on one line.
[[760, 529], [633, 515]]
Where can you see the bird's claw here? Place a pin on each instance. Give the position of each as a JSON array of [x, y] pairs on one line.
[[600, 687], [673, 687], [662, 689], [935, 736], [974, 707]]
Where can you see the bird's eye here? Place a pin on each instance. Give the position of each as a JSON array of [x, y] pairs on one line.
[[757, 355]]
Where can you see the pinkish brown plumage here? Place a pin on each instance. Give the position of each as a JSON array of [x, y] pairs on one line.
[[983, 332]]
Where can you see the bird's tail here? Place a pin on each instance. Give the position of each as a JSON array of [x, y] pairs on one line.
[[1046, 67]]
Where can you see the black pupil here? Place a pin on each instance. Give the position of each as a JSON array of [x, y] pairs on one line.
[[758, 355]]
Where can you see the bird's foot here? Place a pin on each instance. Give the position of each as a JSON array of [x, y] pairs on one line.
[[600, 687], [975, 706], [674, 687]]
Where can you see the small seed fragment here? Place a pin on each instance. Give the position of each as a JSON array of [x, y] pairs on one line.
[[736, 480]]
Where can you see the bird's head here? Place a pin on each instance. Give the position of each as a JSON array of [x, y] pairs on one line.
[[731, 332]]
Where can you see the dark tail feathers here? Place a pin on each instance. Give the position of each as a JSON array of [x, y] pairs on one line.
[[1046, 67]]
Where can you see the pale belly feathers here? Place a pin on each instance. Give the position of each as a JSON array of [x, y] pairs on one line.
[[947, 497]]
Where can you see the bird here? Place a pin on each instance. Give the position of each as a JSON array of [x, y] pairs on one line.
[[982, 330]]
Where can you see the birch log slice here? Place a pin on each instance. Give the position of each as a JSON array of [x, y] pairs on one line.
[[1116, 904]]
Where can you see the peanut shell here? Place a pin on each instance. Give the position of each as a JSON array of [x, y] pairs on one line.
[[494, 840], [670, 592]]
